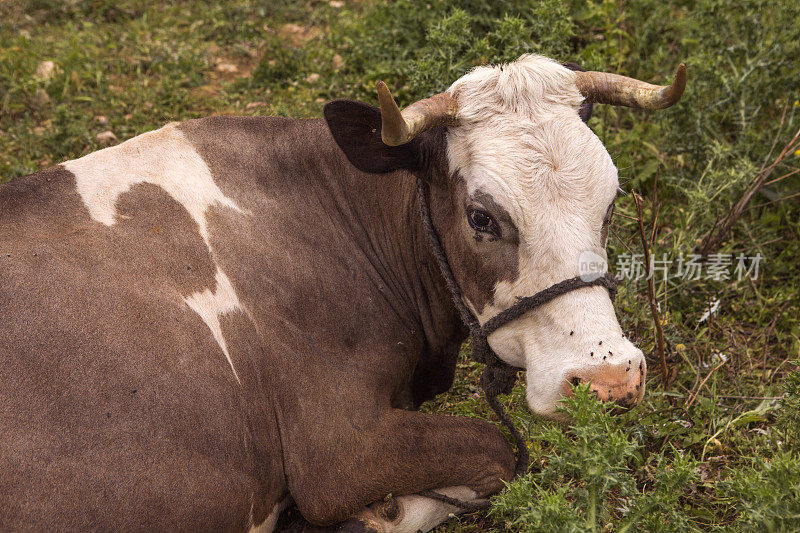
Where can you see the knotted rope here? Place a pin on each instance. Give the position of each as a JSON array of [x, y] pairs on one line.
[[498, 377]]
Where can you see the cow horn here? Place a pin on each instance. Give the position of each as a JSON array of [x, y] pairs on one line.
[[606, 88], [400, 127]]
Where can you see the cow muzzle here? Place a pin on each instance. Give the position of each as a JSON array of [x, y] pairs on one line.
[[622, 382]]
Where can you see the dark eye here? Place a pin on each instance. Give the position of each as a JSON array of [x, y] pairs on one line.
[[481, 221]]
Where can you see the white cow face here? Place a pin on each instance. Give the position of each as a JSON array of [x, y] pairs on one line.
[[520, 191], [537, 184]]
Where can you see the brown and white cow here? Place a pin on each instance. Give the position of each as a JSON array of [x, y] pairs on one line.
[[216, 318]]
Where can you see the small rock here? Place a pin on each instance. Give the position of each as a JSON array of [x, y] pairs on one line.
[[227, 67], [100, 119], [319, 100], [106, 138], [336, 3], [128, 116], [45, 70], [312, 78], [292, 28], [297, 35], [337, 62], [253, 105]]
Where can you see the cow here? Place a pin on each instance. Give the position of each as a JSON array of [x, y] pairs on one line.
[[215, 319]]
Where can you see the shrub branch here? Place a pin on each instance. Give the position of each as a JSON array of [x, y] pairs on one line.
[[712, 240], [651, 292]]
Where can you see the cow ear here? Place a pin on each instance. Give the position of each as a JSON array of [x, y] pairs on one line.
[[356, 127], [585, 111]]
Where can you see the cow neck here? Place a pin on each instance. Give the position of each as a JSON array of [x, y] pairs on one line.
[[385, 225], [433, 303]]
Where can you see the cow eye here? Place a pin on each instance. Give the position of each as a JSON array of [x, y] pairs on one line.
[[481, 221]]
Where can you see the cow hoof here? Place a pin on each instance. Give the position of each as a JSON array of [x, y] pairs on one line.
[[359, 525]]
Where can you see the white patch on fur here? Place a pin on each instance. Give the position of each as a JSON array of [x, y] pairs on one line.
[[167, 159], [418, 513], [213, 305], [163, 157], [268, 525], [520, 139]]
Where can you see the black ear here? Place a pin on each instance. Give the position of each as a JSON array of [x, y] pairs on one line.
[[356, 127], [585, 111]]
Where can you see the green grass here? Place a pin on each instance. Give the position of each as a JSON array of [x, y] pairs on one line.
[[723, 456]]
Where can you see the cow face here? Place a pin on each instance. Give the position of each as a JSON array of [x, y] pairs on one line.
[[534, 189], [521, 191]]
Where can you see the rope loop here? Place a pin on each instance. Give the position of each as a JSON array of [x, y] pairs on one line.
[[496, 380]]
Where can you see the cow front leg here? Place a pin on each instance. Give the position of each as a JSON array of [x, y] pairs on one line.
[[400, 453], [408, 514]]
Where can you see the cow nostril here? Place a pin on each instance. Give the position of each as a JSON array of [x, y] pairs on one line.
[[575, 381]]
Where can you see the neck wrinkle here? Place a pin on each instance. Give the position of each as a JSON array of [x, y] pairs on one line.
[[437, 313], [394, 240], [384, 222]]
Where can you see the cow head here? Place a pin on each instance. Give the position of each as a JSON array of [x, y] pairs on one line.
[[521, 190]]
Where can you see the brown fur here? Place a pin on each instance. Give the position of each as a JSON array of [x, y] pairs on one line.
[[118, 409]]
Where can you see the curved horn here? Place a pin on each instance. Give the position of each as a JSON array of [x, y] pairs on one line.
[[606, 88], [400, 127]]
